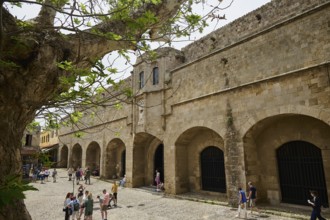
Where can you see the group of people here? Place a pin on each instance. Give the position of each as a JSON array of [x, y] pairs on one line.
[[106, 199], [244, 200], [42, 174], [75, 206], [251, 199], [80, 175]]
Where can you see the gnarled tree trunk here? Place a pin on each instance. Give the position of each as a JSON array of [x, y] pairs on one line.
[[29, 73], [12, 125]]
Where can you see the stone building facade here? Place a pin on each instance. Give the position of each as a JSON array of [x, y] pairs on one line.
[[248, 102]]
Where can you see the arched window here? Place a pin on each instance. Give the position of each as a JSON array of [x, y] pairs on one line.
[[155, 76], [141, 80]]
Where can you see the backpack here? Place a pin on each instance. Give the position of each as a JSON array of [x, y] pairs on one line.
[[76, 206]]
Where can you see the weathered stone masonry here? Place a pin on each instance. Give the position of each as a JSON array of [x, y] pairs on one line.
[[246, 89]]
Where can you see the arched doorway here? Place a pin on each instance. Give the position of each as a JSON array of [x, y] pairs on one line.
[[213, 170], [76, 157], [300, 167], [191, 161], [93, 154], [113, 159], [262, 151], [144, 147], [64, 157], [159, 161]]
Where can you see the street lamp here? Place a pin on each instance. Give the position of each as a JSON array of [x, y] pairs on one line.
[[73, 178]]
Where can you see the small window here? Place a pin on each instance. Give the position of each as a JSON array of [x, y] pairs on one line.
[[28, 140], [155, 76], [141, 80]]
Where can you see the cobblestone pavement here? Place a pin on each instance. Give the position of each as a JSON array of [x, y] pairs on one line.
[[133, 204]]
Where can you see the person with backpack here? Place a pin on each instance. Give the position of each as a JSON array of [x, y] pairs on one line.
[[75, 207], [78, 175]]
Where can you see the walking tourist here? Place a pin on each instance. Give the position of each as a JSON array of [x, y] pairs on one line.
[[89, 207], [75, 207], [114, 191], [54, 174], [78, 175], [83, 206], [46, 174], [122, 181], [104, 206], [70, 171], [252, 197], [88, 176], [316, 204], [157, 180], [241, 203], [42, 176]]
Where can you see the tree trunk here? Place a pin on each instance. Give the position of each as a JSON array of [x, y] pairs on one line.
[[12, 124]]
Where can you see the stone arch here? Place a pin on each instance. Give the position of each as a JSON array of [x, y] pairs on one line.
[[93, 155], [144, 148], [113, 159], [64, 157], [188, 148], [76, 156], [322, 115], [263, 139]]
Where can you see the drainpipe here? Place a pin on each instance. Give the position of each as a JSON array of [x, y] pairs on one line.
[[163, 98]]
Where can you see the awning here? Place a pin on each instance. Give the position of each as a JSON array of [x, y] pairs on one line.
[[49, 148], [27, 151]]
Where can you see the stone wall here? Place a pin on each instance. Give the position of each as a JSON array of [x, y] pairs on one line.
[[261, 19], [256, 91]]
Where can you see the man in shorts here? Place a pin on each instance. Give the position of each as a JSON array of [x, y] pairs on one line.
[[252, 197], [104, 206]]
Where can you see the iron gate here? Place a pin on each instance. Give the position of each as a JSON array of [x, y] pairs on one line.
[[300, 168], [213, 170]]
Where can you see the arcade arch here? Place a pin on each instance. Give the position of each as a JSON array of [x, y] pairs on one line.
[[76, 156], [64, 157], [191, 149], [93, 154], [145, 155], [270, 169], [115, 159]]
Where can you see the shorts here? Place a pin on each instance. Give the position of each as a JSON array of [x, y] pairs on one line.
[[252, 202], [104, 208], [115, 196]]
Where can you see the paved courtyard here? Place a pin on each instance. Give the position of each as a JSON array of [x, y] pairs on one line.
[[137, 204]]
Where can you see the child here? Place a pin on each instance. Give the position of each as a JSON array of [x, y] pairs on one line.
[[241, 203]]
